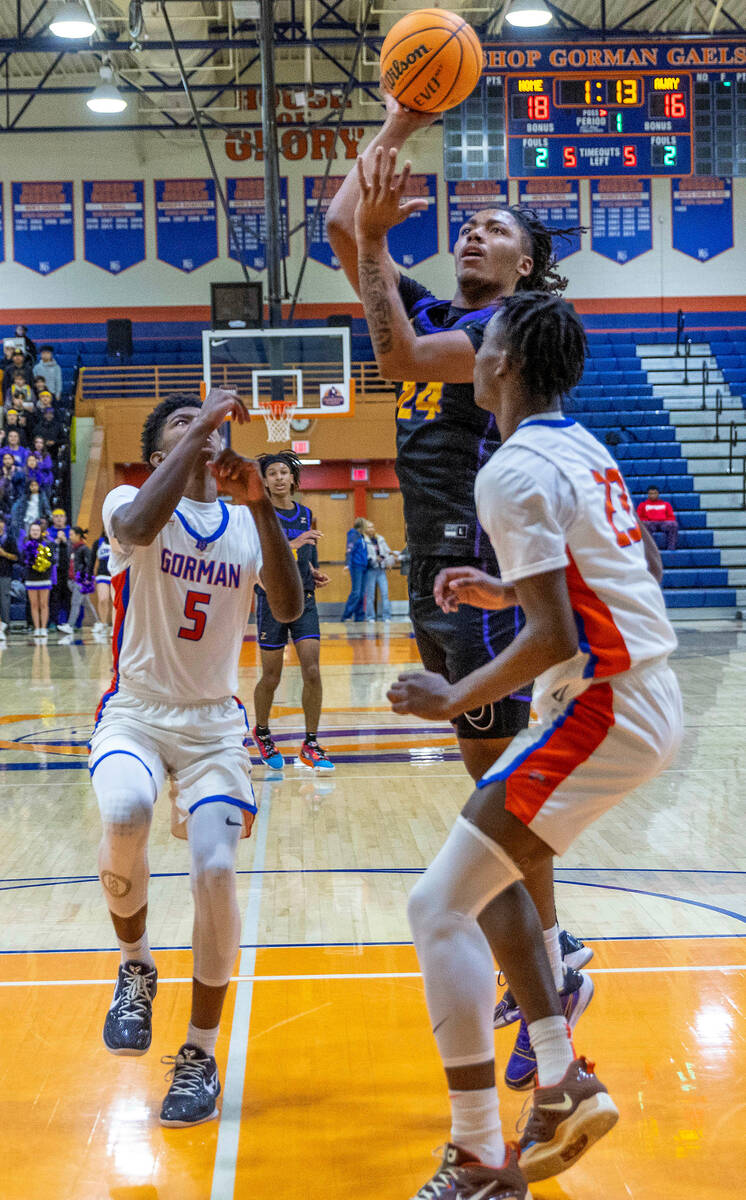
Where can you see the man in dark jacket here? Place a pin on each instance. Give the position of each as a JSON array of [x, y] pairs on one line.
[[356, 562]]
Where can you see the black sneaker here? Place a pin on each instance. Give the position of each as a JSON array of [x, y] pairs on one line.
[[461, 1177], [575, 953], [194, 1088], [128, 1024]]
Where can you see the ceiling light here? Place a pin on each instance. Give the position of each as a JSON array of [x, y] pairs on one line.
[[72, 21], [528, 14], [106, 98]]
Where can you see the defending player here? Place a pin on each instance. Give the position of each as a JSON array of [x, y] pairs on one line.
[[597, 641], [281, 473], [442, 441], [183, 568]]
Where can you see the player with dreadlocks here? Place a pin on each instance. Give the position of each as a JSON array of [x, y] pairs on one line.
[[596, 640], [281, 474], [443, 439]]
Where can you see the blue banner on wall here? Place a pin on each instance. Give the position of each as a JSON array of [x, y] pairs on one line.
[[317, 243], [621, 224], [469, 196], [114, 223], [43, 228], [702, 215], [556, 202], [2, 225], [249, 221], [186, 226], [417, 238]]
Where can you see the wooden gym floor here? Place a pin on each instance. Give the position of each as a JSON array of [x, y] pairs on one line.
[[332, 1087]]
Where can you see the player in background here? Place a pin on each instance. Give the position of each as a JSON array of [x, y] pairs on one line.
[[442, 440], [596, 641], [183, 568], [281, 473]]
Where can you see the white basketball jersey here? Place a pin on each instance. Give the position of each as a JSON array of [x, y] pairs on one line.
[[552, 497], [181, 604]]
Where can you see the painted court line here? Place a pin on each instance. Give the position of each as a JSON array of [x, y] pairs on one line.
[[242, 1018]]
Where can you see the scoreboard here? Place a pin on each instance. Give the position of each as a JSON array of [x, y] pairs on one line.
[[603, 108]]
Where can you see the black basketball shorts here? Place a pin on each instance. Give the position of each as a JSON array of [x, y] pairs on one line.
[[455, 644], [273, 635]]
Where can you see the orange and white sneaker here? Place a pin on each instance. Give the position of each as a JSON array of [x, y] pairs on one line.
[[313, 756], [564, 1121]]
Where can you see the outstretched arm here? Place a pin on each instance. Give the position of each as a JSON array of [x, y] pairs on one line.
[[340, 221]]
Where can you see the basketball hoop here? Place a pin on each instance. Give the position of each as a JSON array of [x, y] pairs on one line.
[[277, 417]]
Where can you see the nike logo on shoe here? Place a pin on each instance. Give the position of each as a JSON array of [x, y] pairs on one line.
[[229, 822], [565, 1106]]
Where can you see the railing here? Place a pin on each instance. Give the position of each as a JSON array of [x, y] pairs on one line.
[[732, 443], [680, 323], [718, 413], [743, 483], [705, 381], [687, 352], [154, 383]]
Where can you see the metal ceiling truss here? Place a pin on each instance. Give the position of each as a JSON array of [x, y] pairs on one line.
[[331, 28]]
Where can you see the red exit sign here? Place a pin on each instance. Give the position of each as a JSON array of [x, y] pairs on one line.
[[300, 447], [359, 474]]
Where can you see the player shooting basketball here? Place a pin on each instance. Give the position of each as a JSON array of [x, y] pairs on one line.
[[443, 439], [183, 568]]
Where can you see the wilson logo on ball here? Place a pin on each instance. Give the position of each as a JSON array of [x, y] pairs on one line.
[[400, 65]]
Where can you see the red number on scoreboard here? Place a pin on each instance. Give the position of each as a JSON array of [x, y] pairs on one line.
[[538, 108], [569, 156], [630, 156], [674, 105]]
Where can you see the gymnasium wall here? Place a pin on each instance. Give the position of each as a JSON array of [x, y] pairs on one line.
[[82, 288]]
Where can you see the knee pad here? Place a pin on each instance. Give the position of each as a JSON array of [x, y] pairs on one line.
[[217, 922], [126, 793], [463, 878]]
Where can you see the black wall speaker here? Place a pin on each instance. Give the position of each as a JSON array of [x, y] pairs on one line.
[[119, 338]]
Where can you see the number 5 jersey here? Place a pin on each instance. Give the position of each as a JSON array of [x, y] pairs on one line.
[[553, 498], [181, 604]]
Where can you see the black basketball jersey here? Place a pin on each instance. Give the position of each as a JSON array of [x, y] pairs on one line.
[[294, 522], [442, 440]]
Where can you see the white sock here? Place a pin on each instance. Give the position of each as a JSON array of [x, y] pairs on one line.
[[138, 951], [476, 1125], [554, 951], [551, 1042], [206, 1039]]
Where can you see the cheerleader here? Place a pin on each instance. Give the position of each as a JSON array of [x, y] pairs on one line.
[[38, 561], [101, 551]]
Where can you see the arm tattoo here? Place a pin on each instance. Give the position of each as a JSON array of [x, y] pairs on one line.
[[374, 291]]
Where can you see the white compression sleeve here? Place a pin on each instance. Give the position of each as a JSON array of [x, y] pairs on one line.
[[213, 832], [126, 794], [455, 957]]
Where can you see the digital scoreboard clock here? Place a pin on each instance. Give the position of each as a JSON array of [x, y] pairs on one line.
[[598, 108]]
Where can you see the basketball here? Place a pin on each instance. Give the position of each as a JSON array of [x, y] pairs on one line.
[[431, 60]]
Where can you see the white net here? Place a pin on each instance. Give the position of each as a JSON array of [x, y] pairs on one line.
[[277, 417]]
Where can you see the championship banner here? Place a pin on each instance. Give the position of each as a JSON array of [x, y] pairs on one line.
[[621, 224], [702, 215], [249, 220], [186, 226], [43, 229], [555, 202], [114, 223], [317, 243], [467, 197], [417, 238]]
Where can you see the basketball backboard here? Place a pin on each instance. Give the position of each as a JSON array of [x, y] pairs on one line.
[[309, 367]]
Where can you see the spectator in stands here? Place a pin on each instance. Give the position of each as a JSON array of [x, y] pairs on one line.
[[49, 428], [80, 578], [29, 346], [380, 558], [101, 551], [19, 363], [18, 393], [38, 565], [33, 471], [11, 422], [8, 556], [12, 483], [659, 517], [44, 464], [29, 507], [50, 370], [13, 446], [356, 562], [6, 364]]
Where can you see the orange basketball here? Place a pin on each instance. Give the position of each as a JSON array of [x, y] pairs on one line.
[[431, 60]]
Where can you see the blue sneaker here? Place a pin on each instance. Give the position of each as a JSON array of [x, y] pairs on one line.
[[576, 995], [311, 755], [128, 1024], [270, 755], [575, 954]]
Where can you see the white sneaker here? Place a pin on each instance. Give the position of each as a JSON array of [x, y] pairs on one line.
[[65, 628], [43, 634], [3, 626], [99, 627]]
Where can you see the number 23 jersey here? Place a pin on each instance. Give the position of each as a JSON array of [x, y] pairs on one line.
[[181, 604], [552, 497]]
